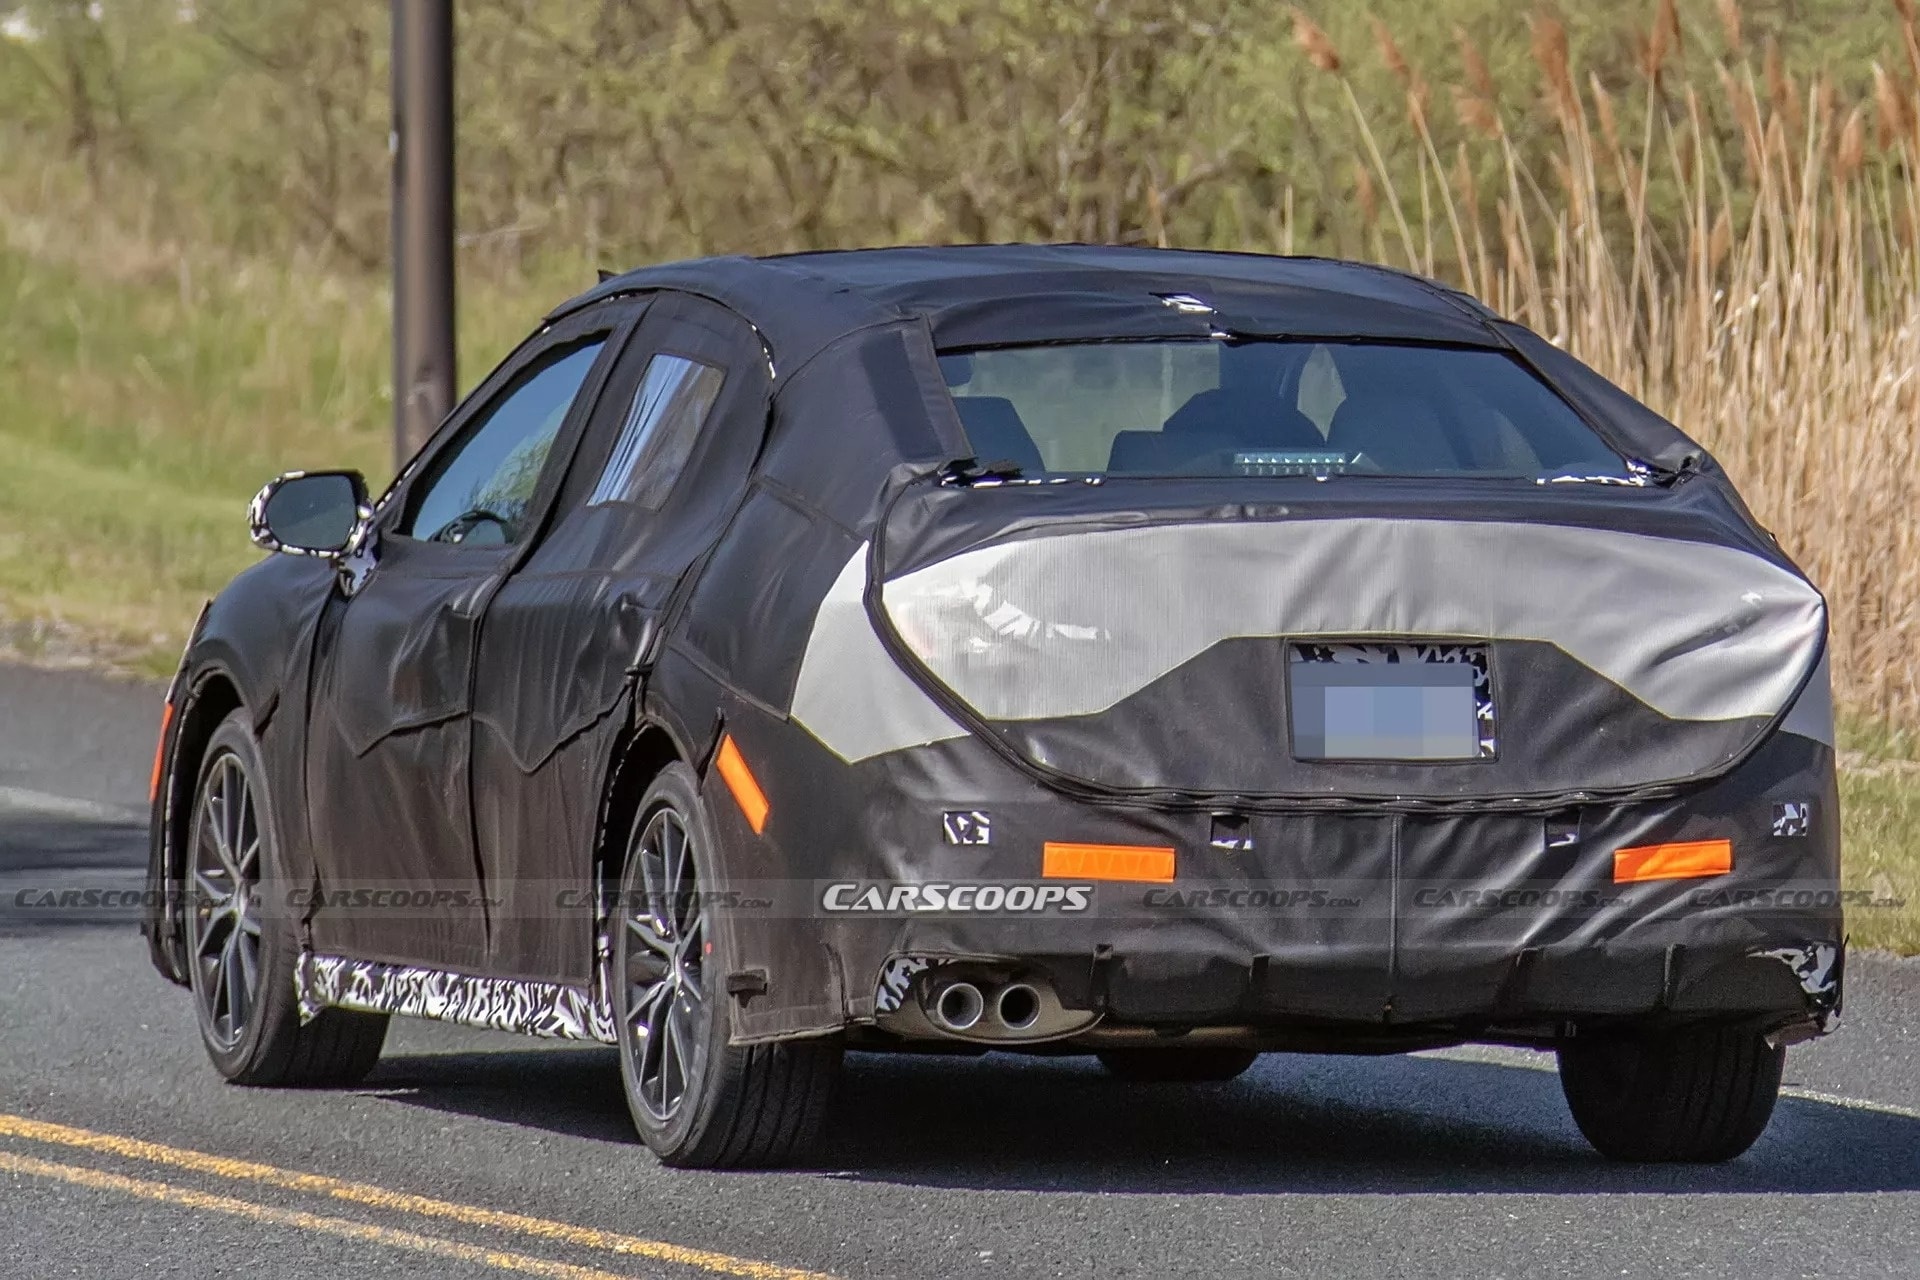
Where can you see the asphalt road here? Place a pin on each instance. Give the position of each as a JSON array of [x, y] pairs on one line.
[[475, 1154]]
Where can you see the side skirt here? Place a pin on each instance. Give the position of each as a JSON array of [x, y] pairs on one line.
[[498, 1004]]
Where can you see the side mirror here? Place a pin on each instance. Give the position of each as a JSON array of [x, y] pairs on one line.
[[310, 513]]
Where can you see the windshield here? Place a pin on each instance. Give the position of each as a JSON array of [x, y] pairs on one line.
[[1218, 408]]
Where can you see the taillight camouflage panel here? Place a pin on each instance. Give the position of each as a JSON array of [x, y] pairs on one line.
[[1156, 657]]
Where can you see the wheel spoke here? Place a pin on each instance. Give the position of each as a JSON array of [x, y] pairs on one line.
[[237, 989], [693, 934], [644, 1007], [220, 806], [221, 1001], [647, 929], [688, 920], [245, 950], [207, 850], [214, 935], [246, 841], [671, 1054], [209, 964], [654, 1052], [233, 792], [646, 969], [217, 927], [690, 993], [212, 893], [682, 1018], [661, 942], [673, 851], [224, 928], [656, 875]]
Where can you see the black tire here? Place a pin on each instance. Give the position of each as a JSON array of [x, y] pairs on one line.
[[1691, 1095], [1177, 1066], [752, 1106], [246, 1006]]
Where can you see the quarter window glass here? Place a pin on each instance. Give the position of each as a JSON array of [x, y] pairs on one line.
[[668, 409], [480, 490]]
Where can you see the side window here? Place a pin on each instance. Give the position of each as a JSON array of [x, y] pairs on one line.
[[669, 407], [479, 490]]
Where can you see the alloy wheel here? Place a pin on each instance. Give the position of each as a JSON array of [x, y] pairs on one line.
[[662, 944], [223, 916]]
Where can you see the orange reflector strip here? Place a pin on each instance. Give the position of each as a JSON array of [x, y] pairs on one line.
[[1143, 862], [160, 751], [1684, 860], [745, 787]]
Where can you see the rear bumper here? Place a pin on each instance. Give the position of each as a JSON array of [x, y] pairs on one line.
[[1447, 923], [1468, 924]]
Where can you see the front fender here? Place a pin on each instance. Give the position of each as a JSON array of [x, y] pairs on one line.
[[251, 648]]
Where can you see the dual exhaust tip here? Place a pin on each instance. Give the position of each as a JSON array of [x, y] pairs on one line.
[[962, 1006]]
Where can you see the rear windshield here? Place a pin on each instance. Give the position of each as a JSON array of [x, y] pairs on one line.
[[1269, 408]]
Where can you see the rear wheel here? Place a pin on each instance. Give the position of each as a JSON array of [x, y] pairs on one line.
[[1690, 1095], [241, 941], [1177, 1066], [696, 1100]]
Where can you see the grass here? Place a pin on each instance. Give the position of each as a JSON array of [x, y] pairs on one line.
[[1880, 826], [1880, 834], [150, 389]]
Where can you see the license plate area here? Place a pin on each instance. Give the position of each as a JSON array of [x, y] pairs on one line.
[[1410, 701]]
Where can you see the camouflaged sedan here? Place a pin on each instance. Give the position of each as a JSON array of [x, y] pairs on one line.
[[1166, 657]]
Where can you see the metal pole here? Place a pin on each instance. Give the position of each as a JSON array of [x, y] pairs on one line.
[[422, 144]]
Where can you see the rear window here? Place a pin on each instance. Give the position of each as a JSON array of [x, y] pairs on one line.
[[1269, 408]]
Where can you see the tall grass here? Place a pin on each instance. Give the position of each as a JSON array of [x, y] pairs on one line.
[[149, 385], [1777, 319]]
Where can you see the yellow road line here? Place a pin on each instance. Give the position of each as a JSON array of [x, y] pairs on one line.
[[167, 1193], [398, 1201]]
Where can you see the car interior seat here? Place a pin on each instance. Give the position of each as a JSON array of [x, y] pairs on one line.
[[1395, 429], [1250, 420], [996, 432]]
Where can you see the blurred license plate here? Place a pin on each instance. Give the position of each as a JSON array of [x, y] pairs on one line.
[[1389, 702]]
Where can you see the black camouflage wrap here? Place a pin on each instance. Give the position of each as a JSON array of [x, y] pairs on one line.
[[483, 719]]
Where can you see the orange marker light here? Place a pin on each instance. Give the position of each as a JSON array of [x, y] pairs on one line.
[[160, 751], [1684, 860], [1140, 862], [745, 787]]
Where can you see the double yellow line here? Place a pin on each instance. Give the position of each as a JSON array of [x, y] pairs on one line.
[[359, 1193]]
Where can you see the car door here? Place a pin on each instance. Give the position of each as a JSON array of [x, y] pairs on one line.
[[665, 459], [388, 759]]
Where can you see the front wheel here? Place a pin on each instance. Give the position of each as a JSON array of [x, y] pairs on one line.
[[696, 1100], [241, 940], [1177, 1066], [1695, 1095]]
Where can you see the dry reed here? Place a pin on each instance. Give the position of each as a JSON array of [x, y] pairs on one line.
[[1780, 325]]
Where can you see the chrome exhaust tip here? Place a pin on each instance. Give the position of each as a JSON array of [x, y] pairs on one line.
[[959, 1007], [1018, 1007]]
